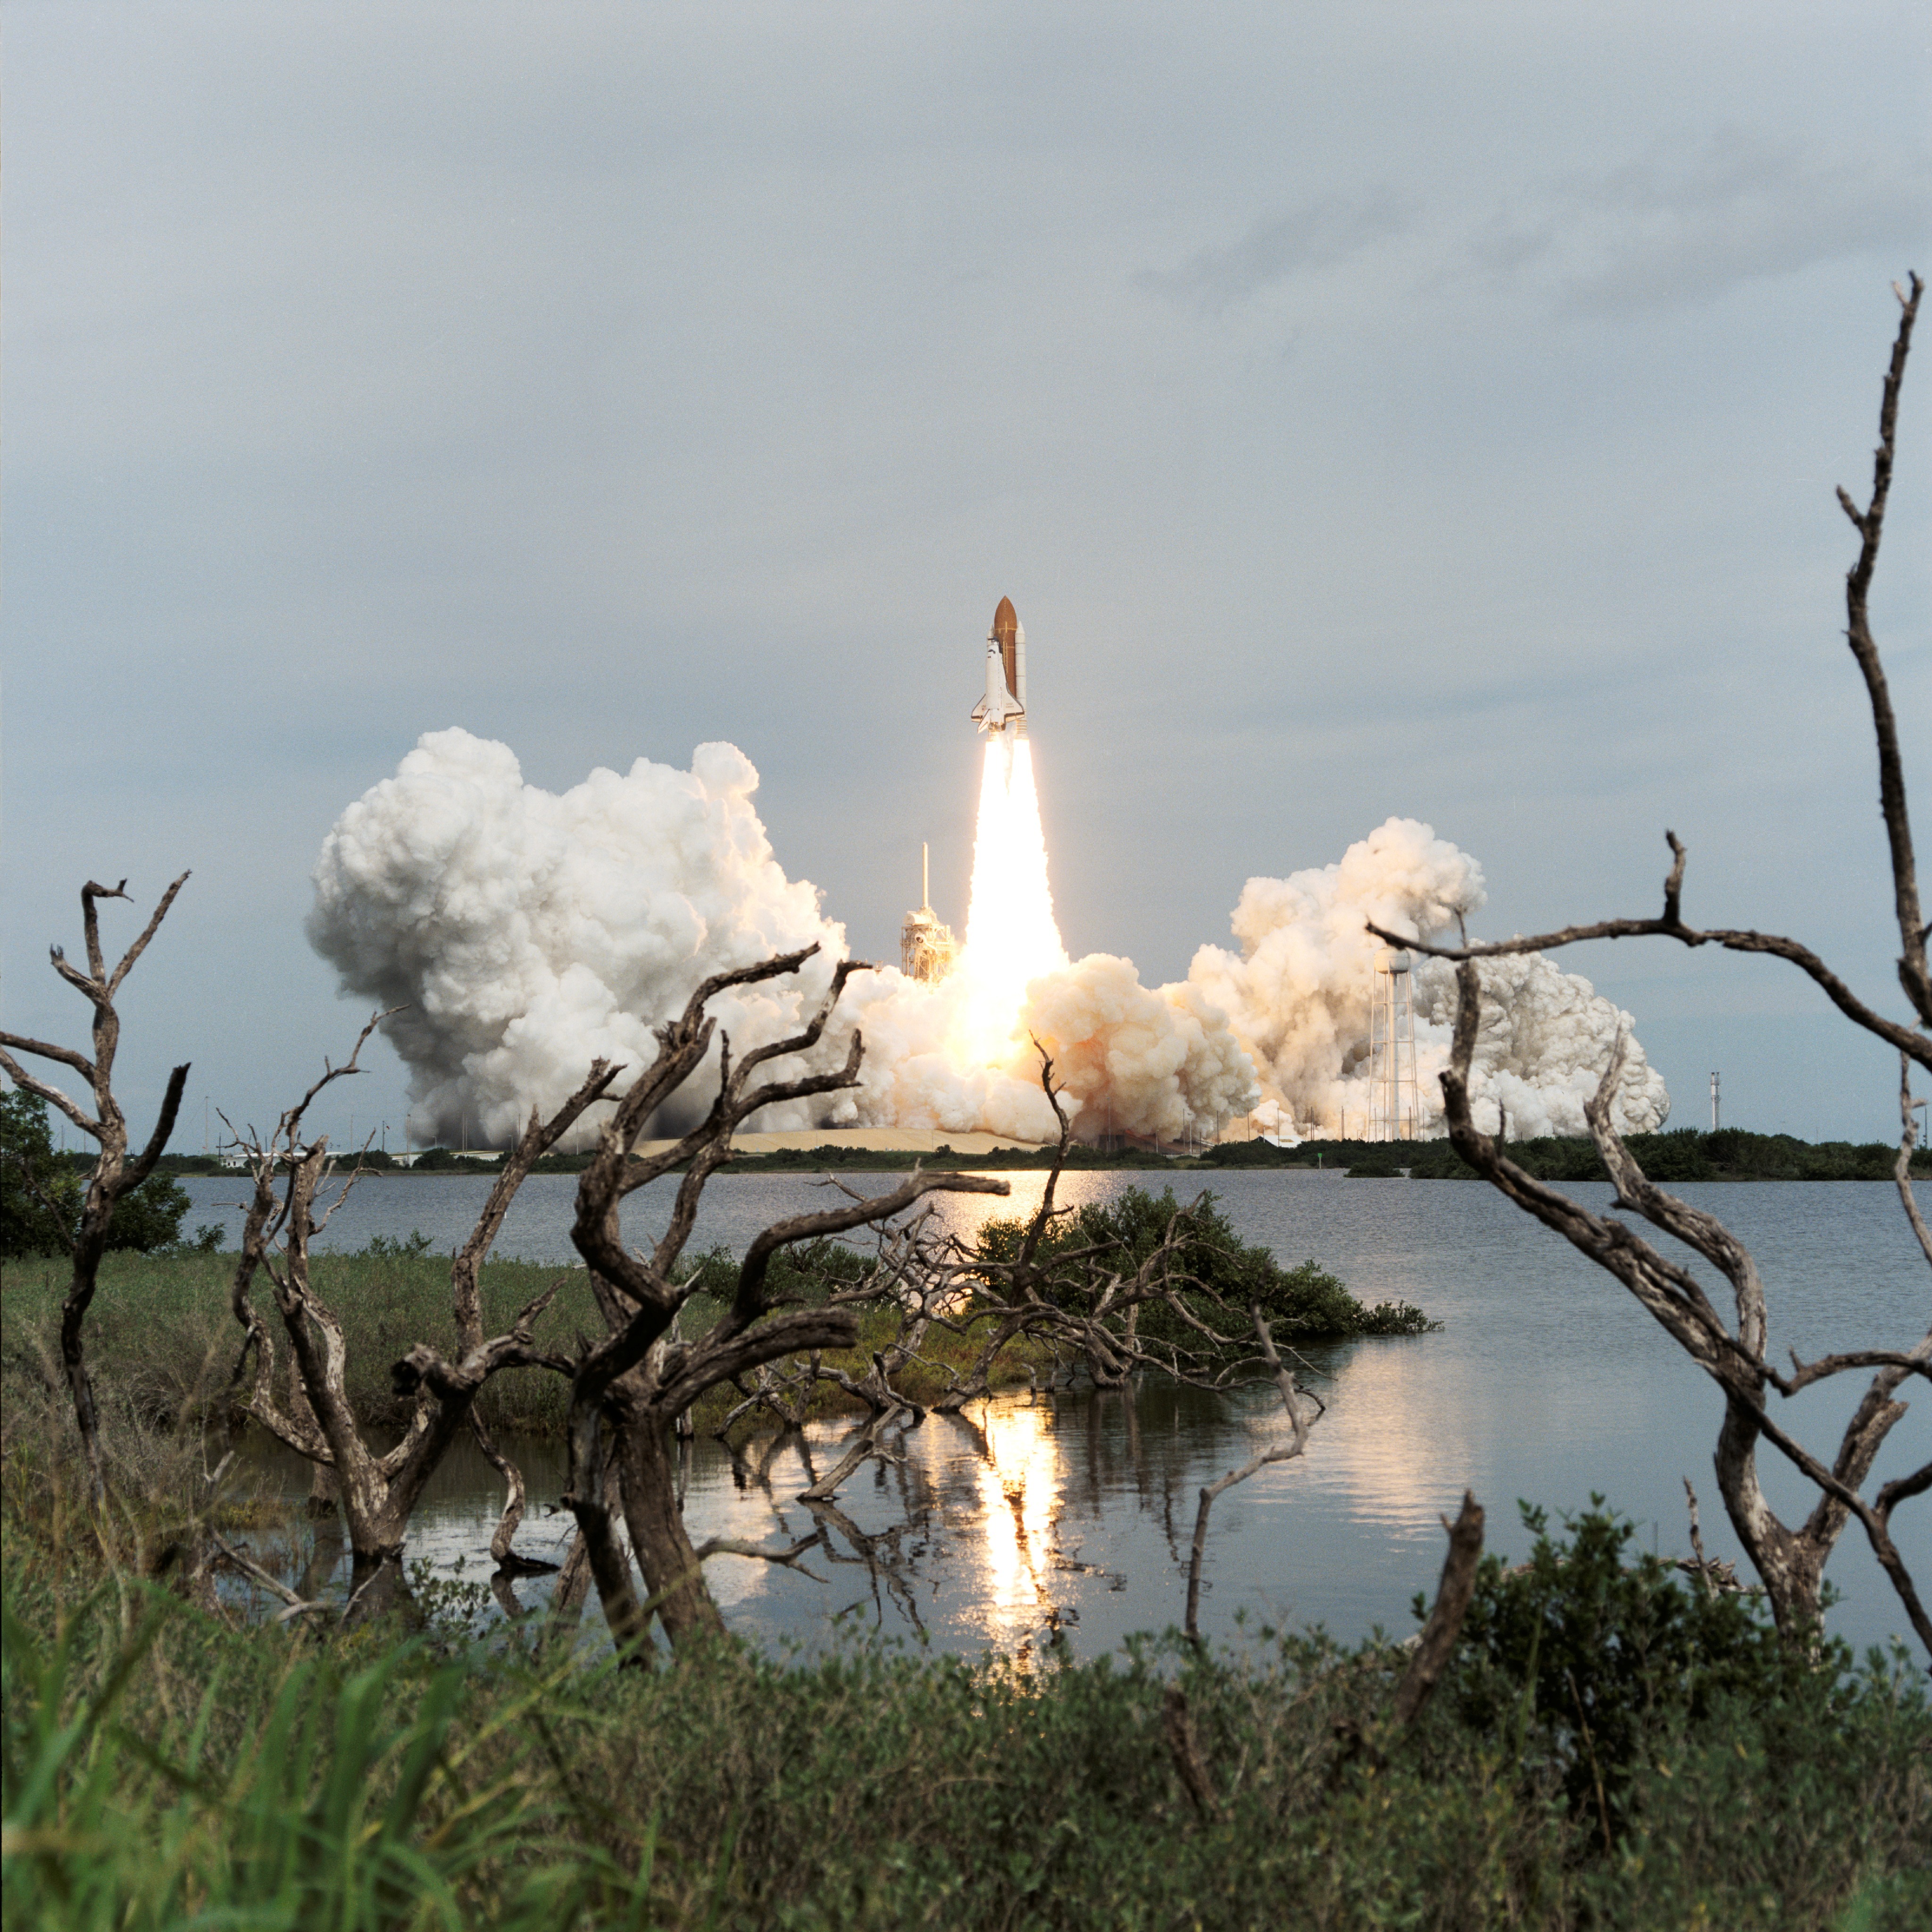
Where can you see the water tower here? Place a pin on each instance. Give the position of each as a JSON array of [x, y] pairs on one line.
[[1395, 1102]]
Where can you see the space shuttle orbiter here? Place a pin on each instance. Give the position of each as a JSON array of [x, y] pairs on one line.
[[1004, 708]]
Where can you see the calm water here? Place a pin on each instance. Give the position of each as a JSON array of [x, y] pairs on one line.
[[1074, 1511]]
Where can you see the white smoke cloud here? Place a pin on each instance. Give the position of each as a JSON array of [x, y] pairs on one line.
[[1297, 996], [1139, 1061], [525, 933]]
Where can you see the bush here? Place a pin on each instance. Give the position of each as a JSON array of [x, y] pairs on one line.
[[1304, 1303], [41, 1192], [1587, 1658], [32, 1175], [162, 1768]]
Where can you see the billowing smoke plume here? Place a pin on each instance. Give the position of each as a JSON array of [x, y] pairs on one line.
[[1297, 996], [525, 934]]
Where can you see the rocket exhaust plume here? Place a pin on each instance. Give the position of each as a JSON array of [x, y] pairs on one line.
[[525, 933], [1011, 935]]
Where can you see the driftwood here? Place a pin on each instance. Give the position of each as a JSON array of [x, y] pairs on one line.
[[1177, 1724], [1735, 1352], [1444, 1626], [630, 1386]]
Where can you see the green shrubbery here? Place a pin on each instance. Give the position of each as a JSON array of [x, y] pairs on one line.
[[1305, 1304], [1683, 1154], [41, 1190], [1590, 1649], [163, 1769]]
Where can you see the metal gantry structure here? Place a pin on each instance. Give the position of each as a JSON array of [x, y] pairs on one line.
[[1395, 1099]]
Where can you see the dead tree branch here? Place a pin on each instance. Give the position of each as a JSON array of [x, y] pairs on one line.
[[1733, 1351], [1791, 1561], [115, 1175], [1445, 1620], [377, 1490], [630, 1384], [1299, 1424]]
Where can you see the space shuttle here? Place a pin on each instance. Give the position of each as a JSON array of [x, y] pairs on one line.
[[1002, 710]]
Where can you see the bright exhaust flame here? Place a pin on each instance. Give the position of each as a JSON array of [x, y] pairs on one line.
[[1011, 937]]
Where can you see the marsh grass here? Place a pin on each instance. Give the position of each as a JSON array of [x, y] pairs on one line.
[[163, 1769], [162, 1343]]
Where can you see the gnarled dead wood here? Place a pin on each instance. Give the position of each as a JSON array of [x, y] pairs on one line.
[[115, 1175], [1791, 1561], [377, 1491], [1444, 1626], [1733, 1350], [1177, 1724], [1300, 1422], [635, 1380]]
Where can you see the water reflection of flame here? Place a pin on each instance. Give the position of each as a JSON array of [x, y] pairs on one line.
[[1019, 1485]]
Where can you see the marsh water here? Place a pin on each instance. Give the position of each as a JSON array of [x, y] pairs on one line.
[[1070, 1515]]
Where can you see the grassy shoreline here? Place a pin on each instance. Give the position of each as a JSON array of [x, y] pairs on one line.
[[161, 1339], [168, 1761], [161, 1333]]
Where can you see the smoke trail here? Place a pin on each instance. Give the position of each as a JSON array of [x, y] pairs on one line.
[[525, 934]]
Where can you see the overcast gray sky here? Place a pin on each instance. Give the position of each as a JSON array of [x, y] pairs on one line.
[[1371, 409]]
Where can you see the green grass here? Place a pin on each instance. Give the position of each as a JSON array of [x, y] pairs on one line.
[[161, 1337], [162, 1769]]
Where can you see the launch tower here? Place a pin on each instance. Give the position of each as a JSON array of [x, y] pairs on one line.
[[1395, 1102], [927, 947]]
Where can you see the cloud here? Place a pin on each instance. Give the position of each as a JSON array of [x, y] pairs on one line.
[[1319, 234], [1675, 229]]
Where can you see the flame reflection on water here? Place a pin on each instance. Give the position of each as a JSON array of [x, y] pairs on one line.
[[1542, 1384], [1019, 1479]]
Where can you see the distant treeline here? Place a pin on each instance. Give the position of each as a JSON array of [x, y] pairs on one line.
[[787, 1160], [1684, 1154]]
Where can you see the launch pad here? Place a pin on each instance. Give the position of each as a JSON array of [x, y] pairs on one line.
[[927, 948]]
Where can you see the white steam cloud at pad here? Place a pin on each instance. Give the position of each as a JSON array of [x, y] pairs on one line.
[[525, 933], [1297, 997]]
